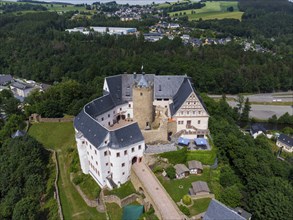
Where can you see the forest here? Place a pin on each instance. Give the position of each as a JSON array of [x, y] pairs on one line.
[[251, 174]]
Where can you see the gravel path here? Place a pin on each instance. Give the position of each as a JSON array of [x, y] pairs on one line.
[[161, 148]]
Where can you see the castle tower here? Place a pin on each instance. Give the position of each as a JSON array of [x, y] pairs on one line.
[[142, 96]]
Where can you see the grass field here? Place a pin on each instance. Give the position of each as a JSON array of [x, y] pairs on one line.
[[51, 7], [60, 137], [199, 206], [212, 10], [125, 190], [176, 192]]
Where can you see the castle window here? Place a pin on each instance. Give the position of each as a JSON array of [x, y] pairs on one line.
[[102, 119], [92, 157], [108, 171], [113, 112], [87, 153], [97, 163], [117, 154], [109, 123], [132, 149], [111, 164], [159, 99], [141, 94], [123, 173], [129, 105], [120, 109], [107, 164], [105, 153], [123, 164], [90, 146], [98, 173], [106, 142], [110, 153], [187, 112], [83, 142], [139, 147], [194, 112], [199, 112], [128, 115], [198, 122], [96, 152], [108, 115], [125, 152]]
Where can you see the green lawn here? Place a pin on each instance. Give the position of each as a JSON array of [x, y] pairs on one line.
[[124, 190], [212, 10], [199, 206], [114, 211], [51, 7], [204, 156], [176, 192], [60, 137], [177, 188]]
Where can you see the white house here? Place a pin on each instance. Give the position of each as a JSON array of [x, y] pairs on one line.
[[256, 130], [21, 89], [285, 142], [109, 130]]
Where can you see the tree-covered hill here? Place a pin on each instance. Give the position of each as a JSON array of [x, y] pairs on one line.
[[35, 46]]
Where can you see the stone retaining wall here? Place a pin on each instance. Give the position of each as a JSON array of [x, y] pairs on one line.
[[121, 202], [39, 118]]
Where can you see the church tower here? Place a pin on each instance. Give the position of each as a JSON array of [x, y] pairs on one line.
[[143, 110]]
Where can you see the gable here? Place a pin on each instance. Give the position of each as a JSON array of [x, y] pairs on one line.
[[192, 104]]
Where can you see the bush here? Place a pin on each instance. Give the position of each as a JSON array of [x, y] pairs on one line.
[[158, 169], [77, 180], [171, 173], [184, 210], [186, 200]]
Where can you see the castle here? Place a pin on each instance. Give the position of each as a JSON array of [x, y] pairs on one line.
[[111, 131]]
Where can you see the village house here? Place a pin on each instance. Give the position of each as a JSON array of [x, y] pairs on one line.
[[5, 80], [21, 90], [256, 130], [199, 188], [195, 167], [181, 171], [111, 131], [285, 142]]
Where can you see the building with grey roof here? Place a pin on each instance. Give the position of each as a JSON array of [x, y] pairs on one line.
[[199, 188], [285, 142], [181, 171], [111, 130], [195, 167], [218, 210], [5, 79]]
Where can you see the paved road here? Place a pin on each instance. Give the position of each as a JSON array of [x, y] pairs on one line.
[[267, 111], [166, 206], [161, 148]]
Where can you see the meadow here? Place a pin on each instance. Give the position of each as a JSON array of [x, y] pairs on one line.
[[212, 10]]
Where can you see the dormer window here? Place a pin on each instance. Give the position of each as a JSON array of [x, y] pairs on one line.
[[160, 87]]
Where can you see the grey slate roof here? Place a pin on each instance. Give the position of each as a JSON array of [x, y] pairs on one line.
[[125, 136], [242, 212], [218, 211], [182, 94], [18, 133], [181, 168], [194, 164], [256, 128], [167, 86], [115, 88], [200, 186], [21, 85], [286, 140], [99, 106], [143, 82], [90, 128], [4, 79]]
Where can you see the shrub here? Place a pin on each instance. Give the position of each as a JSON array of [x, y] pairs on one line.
[[171, 173], [186, 200], [158, 169], [77, 180], [184, 210]]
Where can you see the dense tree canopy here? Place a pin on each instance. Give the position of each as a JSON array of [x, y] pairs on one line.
[[252, 176], [23, 177]]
